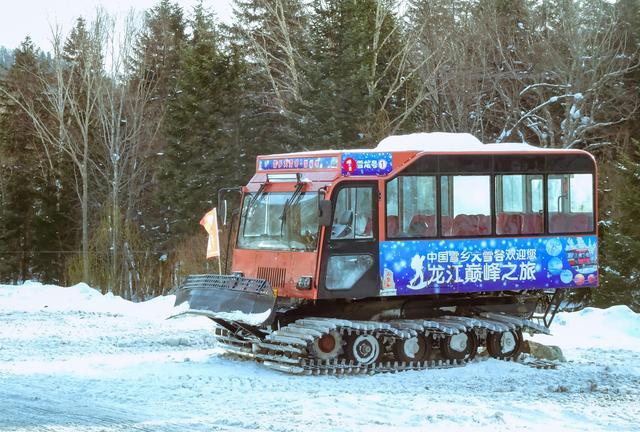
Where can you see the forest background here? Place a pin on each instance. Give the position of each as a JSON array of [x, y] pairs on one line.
[[114, 139]]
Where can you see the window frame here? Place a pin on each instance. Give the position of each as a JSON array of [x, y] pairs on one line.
[[239, 232], [527, 201], [451, 199], [353, 188], [567, 202], [400, 193]]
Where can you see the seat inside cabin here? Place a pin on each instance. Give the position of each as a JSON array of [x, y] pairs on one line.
[[570, 222]]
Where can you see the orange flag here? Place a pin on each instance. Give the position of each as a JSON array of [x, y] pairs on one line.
[[210, 223]]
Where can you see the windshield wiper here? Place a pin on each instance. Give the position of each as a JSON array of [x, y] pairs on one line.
[[255, 198], [293, 199]]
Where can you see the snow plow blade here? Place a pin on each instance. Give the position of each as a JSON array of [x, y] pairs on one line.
[[232, 299]]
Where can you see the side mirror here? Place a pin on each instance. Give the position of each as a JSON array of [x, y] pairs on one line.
[[222, 203], [325, 218], [224, 213]]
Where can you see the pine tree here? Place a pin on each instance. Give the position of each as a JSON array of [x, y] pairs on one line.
[[350, 74], [7, 58], [158, 49], [155, 66], [619, 252], [620, 233], [272, 38], [33, 220], [200, 128]]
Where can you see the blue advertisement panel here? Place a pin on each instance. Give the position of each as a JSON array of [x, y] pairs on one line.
[[367, 164], [298, 163], [470, 265]]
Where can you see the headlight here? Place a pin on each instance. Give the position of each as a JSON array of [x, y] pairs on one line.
[[304, 282]]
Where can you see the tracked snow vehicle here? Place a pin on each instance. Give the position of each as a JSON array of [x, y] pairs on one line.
[[416, 253]]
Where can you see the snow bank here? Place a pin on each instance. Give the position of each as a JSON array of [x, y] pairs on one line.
[[64, 368], [617, 327], [34, 296]]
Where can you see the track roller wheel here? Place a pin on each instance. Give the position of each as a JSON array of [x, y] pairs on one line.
[[363, 349], [327, 347], [413, 349], [461, 346], [504, 344]]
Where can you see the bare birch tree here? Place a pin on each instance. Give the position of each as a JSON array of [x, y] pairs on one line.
[[450, 94], [576, 93], [83, 83], [124, 129], [276, 53], [390, 71], [63, 117], [409, 74]]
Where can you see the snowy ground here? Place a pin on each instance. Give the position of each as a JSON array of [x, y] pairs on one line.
[[72, 359]]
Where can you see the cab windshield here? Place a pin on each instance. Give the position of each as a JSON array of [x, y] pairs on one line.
[[279, 221]]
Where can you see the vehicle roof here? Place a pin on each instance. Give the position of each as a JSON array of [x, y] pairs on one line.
[[436, 142], [442, 142], [395, 152]]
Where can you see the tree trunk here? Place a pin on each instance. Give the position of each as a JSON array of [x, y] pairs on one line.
[[115, 232], [85, 216]]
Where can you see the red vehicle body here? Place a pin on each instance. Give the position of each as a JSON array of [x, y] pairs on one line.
[[283, 269], [421, 224]]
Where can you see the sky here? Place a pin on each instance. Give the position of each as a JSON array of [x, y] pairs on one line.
[[36, 18]]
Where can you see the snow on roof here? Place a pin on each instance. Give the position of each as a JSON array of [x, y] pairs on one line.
[[438, 142], [433, 142]]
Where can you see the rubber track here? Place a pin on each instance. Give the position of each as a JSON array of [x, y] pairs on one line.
[[285, 349]]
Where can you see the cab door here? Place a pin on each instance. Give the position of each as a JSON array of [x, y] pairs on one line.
[[350, 267]]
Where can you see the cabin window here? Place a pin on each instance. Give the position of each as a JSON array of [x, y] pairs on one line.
[[343, 271], [519, 204], [411, 207], [466, 205], [352, 215], [570, 203]]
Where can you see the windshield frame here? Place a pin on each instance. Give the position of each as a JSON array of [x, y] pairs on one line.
[[298, 231]]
